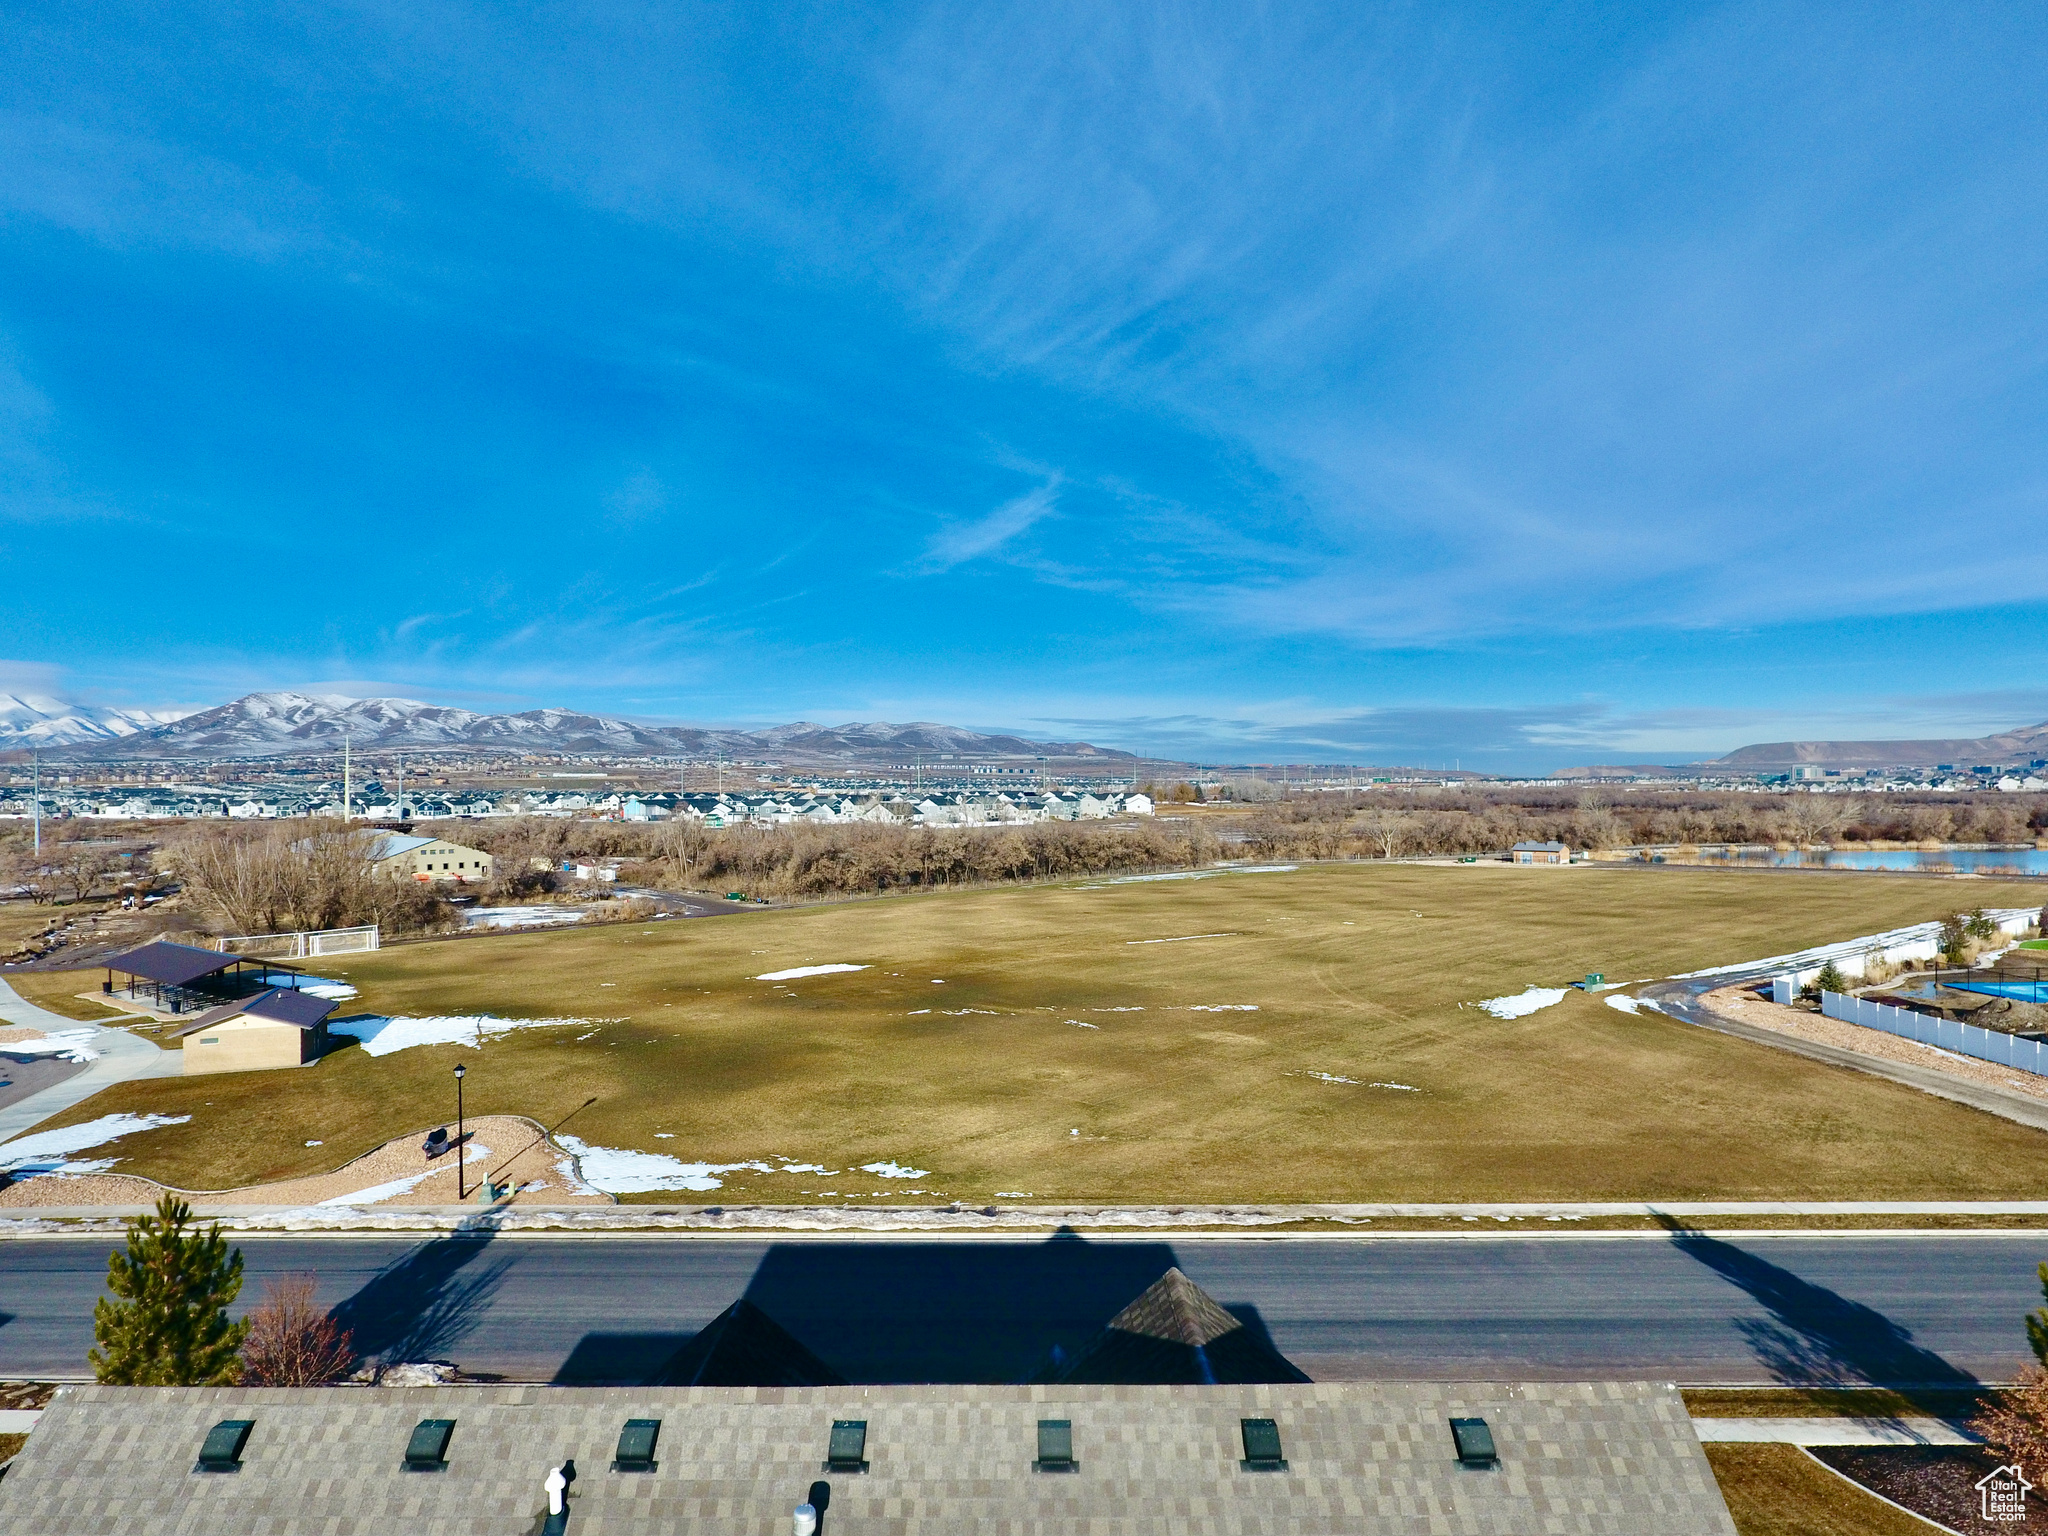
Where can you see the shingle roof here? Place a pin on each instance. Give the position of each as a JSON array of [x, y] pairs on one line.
[[1604, 1459], [280, 1005], [175, 965], [1176, 1332]]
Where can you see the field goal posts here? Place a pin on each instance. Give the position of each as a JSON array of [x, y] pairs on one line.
[[302, 945]]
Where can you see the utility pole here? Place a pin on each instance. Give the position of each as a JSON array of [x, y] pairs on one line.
[[347, 809], [401, 786], [35, 796]]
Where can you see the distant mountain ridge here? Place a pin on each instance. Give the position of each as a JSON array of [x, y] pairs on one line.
[[2015, 748], [32, 720], [2008, 747], [289, 724]]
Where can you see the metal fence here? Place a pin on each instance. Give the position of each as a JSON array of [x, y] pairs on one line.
[[1963, 1039], [300, 946]]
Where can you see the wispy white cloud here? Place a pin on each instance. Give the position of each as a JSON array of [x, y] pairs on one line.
[[957, 543]]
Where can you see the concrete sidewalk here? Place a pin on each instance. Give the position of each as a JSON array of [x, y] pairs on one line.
[[123, 1057], [1832, 1431]]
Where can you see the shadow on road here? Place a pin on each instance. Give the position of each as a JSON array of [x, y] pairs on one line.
[[420, 1306], [1815, 1337], [878, 1313], [951, 1311]]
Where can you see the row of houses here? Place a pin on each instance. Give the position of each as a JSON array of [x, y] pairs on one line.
[[961, 808]]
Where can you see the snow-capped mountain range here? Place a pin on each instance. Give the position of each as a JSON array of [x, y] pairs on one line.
[[33, 720], [285, 724]]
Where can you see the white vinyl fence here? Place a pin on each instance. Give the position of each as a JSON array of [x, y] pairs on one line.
[[1963, 1039], [300, 946]]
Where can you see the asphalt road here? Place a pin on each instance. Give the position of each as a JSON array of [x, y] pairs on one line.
[[1944, 1309]]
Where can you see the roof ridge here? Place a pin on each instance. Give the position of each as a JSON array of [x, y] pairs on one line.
[[1174, 1308]]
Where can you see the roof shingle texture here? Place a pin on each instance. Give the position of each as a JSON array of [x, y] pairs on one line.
[[1611, 1457]]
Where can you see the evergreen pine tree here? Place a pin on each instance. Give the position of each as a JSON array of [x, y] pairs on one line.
[[2037, 1322], [170, 1328]]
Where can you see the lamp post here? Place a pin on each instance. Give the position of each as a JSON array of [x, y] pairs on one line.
[[460, 1070]]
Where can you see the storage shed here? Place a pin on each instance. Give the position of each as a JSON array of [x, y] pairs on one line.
[[277, 1028]]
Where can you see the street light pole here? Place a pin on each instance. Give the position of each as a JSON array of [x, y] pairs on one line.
[[460, 1069]]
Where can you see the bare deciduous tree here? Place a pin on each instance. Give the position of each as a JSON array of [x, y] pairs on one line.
[[1386, 829], [292, 1341]]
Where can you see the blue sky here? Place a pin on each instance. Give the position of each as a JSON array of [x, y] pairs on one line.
[[1514, 386]]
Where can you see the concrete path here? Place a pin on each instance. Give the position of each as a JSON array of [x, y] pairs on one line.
[[1833, 1431], [122, 1057], [18, 1421]]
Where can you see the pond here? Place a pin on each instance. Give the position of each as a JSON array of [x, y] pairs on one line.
[[2005, 861]]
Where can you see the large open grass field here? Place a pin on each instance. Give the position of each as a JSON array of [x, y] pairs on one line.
[[1049, 1042]]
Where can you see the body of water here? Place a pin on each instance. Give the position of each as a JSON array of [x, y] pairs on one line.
[[2019, 991], [2025, 861]]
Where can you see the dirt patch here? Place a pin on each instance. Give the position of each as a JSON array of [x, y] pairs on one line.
[[1745, 1007], [1938, 1482], [397, 1173], [14, 1034]]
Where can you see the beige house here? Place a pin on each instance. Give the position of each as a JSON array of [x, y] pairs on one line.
[[278, 1028], [1541, 853], [429, 858]]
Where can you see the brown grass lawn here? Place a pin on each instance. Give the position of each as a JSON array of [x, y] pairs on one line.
[[1778, 1490], [58, 992], [1356, 971]]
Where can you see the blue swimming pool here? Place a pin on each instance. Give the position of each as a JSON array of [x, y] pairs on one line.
[[2019, 991]]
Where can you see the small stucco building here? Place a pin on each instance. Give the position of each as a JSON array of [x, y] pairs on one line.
[[404, 856], [1541, 853], [277, 1028]]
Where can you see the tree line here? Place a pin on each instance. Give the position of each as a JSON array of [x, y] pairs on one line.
[[273, 877]]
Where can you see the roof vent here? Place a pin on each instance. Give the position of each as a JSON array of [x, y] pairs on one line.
[[1262, 1446], [636, 1446], [1055, 1446], [222, 1451], [848, 1446], [804, 1521], [427, 1450], [1474, 1441]]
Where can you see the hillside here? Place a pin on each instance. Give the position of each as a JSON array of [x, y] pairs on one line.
[[288, 724], [2019, 746]]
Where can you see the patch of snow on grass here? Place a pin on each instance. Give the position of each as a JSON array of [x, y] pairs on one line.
[[621, 1171], [895, 1171], [520, 917], [1397, 1087], [381, 1036], [1327, 1077], [808, 970], [1223, 1008], [1079, 1025], [1524, 1003], [29, 1153], [70, 1044], [1195, 874], [1624, 1004], [1186, 938]]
